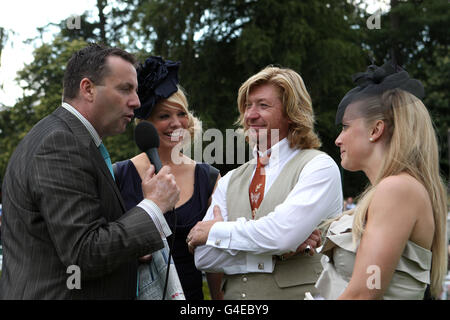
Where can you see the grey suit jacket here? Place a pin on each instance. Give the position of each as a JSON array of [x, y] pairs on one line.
[[61, 207]]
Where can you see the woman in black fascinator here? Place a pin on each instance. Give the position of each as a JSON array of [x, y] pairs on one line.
[[164, 104], [393, 244]]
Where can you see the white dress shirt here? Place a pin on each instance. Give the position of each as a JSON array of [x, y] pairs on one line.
[[245, 246], [149, 206]]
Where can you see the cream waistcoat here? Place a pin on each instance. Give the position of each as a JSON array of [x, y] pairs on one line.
[[291, 278]]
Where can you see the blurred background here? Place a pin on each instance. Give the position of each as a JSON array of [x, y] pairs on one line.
[[220, 44]]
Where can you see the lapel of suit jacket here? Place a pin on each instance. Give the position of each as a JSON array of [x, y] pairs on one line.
[[80, 131]]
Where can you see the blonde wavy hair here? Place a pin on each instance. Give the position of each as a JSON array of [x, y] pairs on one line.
[[411, 148], [295, 99]]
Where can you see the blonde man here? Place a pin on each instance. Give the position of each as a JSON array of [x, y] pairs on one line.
[[259, 244]]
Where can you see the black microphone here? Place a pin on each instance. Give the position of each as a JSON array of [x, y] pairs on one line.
[[147, 140]]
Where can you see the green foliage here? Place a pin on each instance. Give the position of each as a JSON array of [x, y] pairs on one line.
[[122, 146], [42, 82], [416, 34], [205, 289], [314, 38], [3, 40], [221, 43], [437, 100]]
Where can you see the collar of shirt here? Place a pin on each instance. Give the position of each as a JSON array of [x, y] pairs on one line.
[[85, 122], [278, 152]]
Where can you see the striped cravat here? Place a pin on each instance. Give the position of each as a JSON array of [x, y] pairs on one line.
[[106, 157]]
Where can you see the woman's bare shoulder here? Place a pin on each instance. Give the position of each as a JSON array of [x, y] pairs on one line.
[[400, 193], [401, 186], [141, 163]]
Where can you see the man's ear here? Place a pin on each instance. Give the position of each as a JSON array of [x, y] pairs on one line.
[[87, 89], [377, 130]]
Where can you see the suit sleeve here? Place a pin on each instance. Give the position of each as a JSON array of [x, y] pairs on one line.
[[84, 220]]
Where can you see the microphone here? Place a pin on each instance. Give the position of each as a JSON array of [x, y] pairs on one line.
[[147, 140]]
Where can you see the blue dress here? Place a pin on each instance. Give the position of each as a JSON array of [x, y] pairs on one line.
[[187, 215]]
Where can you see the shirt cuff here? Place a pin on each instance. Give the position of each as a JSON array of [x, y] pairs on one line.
[[260, 263], [157, 216], [220, 235]]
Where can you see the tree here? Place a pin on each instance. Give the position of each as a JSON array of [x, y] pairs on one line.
[[437, 100], [3, 39], [312, 37], [420, 39], [221, 43], [41, 81], [4, 36]]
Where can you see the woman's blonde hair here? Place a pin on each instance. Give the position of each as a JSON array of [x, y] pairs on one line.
[[295, 99], [178, 99], [411, 148]]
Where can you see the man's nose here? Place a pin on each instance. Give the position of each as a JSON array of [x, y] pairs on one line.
[[134, 101], [338, 141], [251, 112]]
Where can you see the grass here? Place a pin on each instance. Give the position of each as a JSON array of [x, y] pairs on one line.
[[206, 294]]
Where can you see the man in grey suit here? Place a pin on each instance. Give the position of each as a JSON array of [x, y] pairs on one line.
[[65, 231]]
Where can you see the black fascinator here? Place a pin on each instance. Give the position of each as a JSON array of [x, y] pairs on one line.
[[157, 79], [377, 80]]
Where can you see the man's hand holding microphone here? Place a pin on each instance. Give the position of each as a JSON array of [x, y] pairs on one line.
[[161, 188]]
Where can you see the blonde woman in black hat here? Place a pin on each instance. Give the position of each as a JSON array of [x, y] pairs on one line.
[[164, 104], [393, 244]]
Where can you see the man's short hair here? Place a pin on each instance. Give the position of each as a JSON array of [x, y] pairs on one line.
[[90, 62]]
